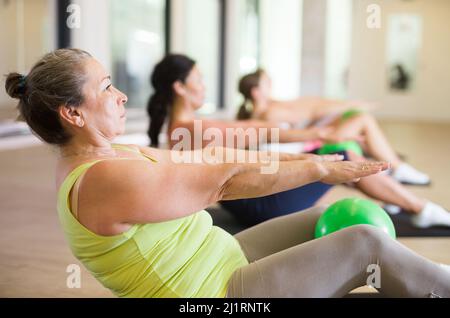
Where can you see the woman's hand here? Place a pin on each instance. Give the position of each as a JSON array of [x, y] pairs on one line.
[[347, 171], [317, 158]]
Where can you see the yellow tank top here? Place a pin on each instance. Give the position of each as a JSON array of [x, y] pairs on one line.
[[187, 257]]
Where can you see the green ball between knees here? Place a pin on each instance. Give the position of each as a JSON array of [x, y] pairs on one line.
[[350, 212], [341, 146], [350, 113]]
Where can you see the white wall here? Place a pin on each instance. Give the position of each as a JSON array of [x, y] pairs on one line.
[[338, 42], [430, 98], [8, 52], [195, 32], [281, 45], [93, 35], [313, 47], [27, 34], [232, 70]]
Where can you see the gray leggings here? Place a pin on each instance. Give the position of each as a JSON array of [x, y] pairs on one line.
[[286, 261]]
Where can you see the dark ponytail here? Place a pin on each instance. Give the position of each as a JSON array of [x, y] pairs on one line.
[[246, 85], [157, 110], [245, 112], [172, 68]]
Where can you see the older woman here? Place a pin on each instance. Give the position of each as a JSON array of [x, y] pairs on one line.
[[131, 215]]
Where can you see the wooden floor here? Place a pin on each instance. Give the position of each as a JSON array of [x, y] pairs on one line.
[[34, 255]]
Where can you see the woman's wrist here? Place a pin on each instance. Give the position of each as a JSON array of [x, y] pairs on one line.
[[322, 169]]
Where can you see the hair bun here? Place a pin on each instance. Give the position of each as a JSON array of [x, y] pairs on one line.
[[15, 85]]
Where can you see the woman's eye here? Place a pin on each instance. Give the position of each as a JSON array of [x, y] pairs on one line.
[[108, 87]]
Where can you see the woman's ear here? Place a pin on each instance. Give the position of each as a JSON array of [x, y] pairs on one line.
[[71, 115], [179, 88]]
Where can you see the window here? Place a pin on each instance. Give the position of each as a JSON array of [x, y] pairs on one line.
[[338, 44], [138, 43], [202, 42], [281, 38], [27, 33], [249, 30]]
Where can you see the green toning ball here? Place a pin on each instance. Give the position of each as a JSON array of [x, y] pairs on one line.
[[350, 113], [341, 146], [350, 212]]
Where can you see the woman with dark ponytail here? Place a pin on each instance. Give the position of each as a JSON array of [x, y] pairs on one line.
[[179, 91], [160, 103], [158, 112], [181, 81], [246, 86]]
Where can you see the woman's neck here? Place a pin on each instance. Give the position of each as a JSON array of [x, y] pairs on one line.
[[80, 147], [181, 111], [259, 108]]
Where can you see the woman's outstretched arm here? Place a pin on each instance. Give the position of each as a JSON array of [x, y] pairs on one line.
[[251, 132], [137, 191], [312, 108], [164, 155]]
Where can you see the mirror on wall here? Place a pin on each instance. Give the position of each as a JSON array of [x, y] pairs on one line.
[[404, 42], [137, 44], [202, 43], [250, 39]]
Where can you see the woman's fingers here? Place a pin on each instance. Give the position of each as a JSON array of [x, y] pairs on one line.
[[348, 171], [386, 166], [332, 158], [307, 156], [368, 168], [324, 158]]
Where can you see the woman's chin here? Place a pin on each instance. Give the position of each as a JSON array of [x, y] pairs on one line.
[[121, 130]]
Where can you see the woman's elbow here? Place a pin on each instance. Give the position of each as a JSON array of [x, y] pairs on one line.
[[228, 184]]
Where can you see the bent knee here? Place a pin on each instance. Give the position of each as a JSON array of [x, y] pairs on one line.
[[318, 210], [368, 233], [366, 117]]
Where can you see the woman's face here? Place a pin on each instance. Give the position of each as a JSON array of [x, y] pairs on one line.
[[103, 110], [265, 87], [194, 88]]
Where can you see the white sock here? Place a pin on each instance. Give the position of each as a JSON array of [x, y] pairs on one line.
[[392, 209], [408, 174], [445, 266], [431, 215]]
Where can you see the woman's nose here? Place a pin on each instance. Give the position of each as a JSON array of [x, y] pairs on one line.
[[122, 98]]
